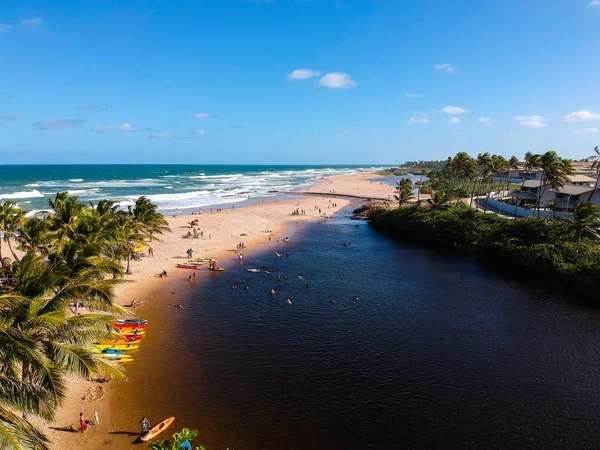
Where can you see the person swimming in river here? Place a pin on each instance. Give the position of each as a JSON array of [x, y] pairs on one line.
[[289, 302], [272, 291]]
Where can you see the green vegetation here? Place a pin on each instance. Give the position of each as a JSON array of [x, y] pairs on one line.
[[392, 171], [566, 250], [61, 260], [178, 440]]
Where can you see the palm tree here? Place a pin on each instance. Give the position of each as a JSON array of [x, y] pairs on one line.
[[554, 173], [512, 163], [464, 167], [482, 162], [498, 164], [11, 219], [423, 173], [585, 221], [530, 162], [596, 168], [438, 201]]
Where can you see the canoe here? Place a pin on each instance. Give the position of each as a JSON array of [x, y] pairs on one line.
[[129, 326], [119, 342], [138, 335], [132, 321], [157, 429], [218, 269], [112, 351], [117, 346], [114, 356], [187, 266], [120, 360]]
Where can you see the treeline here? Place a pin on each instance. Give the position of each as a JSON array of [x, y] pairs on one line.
[[564, 253], [429, 165], [72, 255]]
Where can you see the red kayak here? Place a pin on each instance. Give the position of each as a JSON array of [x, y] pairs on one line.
[[129, 326], [188, 266], [132, 337]]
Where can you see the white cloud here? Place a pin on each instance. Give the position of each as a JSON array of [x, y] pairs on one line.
[[58, 124], [594, 3], [34, 22], [159, 135], [423, 120], [124, 128], [302, 74], [531, 121], [10, 116], [337, 80], [448, 68], [581, 116], [454, 110], [454, 120], [487, 121], [4, 27], [199, 132], [410, 95], [586, 130], [201, 115]]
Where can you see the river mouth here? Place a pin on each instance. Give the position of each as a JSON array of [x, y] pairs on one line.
[[436, 352]]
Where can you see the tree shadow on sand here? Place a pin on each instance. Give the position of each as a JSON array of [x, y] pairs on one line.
[[68, 429]]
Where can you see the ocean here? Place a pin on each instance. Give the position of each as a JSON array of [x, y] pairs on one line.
[[174, 188]]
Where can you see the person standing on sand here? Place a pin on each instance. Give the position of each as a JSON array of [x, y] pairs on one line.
[[82, 422], [145, 425]]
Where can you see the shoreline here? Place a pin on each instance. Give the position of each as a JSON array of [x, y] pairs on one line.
[[253, 224]]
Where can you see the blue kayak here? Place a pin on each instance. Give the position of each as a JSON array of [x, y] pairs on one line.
[[110, 351], [133, 321]]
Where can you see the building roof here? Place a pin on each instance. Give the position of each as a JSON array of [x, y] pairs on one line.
[[580, 179], [574, 190], [532, 183]]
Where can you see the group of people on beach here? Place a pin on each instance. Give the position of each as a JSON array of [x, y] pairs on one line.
[[196, 233]]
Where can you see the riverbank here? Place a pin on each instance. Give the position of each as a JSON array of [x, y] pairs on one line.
[[222, 231]]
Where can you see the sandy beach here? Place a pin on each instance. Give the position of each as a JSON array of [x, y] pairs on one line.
[[254, 225]]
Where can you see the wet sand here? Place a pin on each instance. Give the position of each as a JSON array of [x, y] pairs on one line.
[[253, 225]]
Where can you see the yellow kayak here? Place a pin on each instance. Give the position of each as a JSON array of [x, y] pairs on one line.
[[157, 429], [118, 342], [117, 346]]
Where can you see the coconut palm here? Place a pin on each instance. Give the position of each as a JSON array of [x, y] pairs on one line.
[[554, 173], [497, 166], [482, 164], [464, 167], [585, 221], [438, 201], [596, 168], [11, 219], [512, 164], [531, 161], [423, 173]]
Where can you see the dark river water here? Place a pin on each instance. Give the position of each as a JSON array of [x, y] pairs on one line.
[[438, 353]]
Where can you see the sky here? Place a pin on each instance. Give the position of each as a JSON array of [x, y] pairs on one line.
[[296, 81]]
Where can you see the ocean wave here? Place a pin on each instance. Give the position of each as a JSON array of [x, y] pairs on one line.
[[76, 180], [23, 194], [168, 187]]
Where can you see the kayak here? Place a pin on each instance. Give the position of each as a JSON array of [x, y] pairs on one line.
[[138, 335], [133, 321], [119, 342], [117, 346], [129, 326], [218, 269], [187, 266], [113, 356], [120, 360], [157, 429], [253, 270], [112, 351]]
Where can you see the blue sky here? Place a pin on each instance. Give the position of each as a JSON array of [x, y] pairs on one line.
[[296, 81]]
